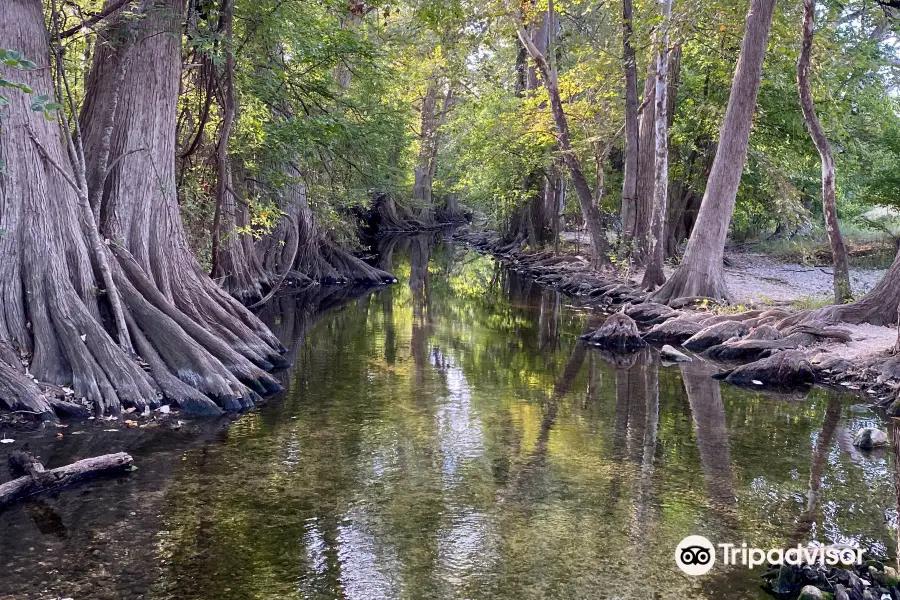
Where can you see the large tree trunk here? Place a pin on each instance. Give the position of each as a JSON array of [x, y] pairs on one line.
[[589, 211], [878, 307], [653, 275], [49, 308], [427, 149], [433, 119], [701, 272], [842, 291], [629, 182], [302, 253], [202, 346]]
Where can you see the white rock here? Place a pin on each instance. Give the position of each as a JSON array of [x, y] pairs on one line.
[[672, 355], [868, 438]]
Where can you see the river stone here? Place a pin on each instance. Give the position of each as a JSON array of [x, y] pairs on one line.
[[868, 438], [672, 355], [716, 334], [810, 592]]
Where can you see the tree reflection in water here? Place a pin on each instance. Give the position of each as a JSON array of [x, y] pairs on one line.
[[449, 437]]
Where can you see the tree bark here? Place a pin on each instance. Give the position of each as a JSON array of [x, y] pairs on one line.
[[878, 307], [701, 272], [40, 481], [203, 347], [629, 183], [591, 213], [842, 290], [234, 261], [428, 128], [646, 167], [531, 224], [653, 275]]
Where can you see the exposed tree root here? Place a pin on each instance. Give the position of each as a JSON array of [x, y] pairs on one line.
[[693, 283], [388, 217], [304, 254]]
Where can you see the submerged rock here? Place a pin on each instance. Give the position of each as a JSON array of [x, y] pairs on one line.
[[672, 355], [618, 332], [869, 438]]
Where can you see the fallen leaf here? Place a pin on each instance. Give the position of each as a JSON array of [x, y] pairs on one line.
[[131, 423], [59, 436], [6, 441], [61, 426], [130, 409], [757, 382], [83, 337], [164, 409]]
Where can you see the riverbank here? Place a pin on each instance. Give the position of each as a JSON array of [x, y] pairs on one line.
[[857, 358]]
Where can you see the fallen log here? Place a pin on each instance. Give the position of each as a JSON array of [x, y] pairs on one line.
[[39, 481]]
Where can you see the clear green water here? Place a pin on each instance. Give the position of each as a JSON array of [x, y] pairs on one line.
[[448, 437]]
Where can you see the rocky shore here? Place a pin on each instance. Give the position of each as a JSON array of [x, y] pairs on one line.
[[766, 347]]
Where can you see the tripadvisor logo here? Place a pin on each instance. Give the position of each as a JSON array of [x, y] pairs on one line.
[[695, 555]]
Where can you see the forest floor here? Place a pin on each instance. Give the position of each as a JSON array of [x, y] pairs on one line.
[[757, 280]]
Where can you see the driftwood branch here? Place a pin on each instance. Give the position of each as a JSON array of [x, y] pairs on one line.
[[39, 481]]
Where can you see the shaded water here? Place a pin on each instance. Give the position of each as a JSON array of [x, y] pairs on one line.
[[448, 437]]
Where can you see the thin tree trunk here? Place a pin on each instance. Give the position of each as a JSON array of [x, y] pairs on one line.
[[629, 183], [422, 185], [234, 260], [531, 222], [646, 167], [654, 275], [701, 272], [590, 212], [842, 291]]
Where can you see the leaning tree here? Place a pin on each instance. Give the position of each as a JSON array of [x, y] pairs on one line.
[[193, 343], [701, 272], [842, 291], [590, 212]]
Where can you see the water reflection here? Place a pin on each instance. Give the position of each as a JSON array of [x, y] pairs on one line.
[[450, 437]]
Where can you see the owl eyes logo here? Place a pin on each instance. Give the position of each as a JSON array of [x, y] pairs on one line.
[[695, 555]]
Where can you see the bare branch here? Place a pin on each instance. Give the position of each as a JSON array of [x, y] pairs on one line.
[[94, 19]]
